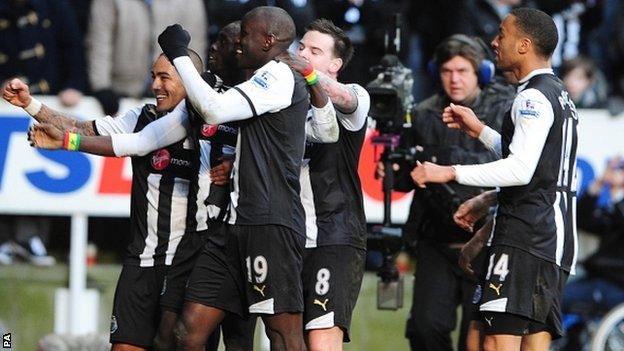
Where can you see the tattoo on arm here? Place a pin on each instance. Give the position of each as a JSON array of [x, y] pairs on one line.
[[64, 122], [342, 96]]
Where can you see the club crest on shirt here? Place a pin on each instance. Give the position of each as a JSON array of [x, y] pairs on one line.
[[476, 298], [263, 80], [209, 130], [528, 109], [161, 159], [113, 324]]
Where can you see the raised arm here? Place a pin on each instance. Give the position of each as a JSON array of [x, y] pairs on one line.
[[17, 93], [342, 96], [322, 127], [269, 89]]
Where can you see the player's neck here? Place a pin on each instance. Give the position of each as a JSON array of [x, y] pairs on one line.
[[529, 66]]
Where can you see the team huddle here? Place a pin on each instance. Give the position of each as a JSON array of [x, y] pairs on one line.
[[246, 199]]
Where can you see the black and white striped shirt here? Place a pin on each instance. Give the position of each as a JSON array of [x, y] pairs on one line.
[[170, 187], [537, 175]]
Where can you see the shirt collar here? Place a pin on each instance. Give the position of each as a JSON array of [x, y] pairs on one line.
[[523, 82]]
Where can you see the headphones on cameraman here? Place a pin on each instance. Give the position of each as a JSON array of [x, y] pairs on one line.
[[485, 68]]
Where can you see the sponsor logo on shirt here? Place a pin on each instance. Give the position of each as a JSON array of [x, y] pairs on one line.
[[161, 159], [209, 130], [263, 80], [528, 109], [227, 129]]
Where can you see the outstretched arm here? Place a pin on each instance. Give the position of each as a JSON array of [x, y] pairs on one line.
[[17, 93], [533, 116], [461, 117], [160, 133], [48, 136]]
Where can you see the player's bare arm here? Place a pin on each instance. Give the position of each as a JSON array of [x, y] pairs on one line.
[[473, 247], [318, 95], [17, 93], [48, 136], [471, 210], [341, 95]]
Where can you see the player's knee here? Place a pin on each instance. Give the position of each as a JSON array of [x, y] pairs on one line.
[[181, 332], [325, 339], [489, 344]]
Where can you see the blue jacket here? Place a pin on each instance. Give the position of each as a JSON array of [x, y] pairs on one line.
[[40, 41]]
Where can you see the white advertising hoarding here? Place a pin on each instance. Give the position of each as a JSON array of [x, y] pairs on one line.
[[43, 182]]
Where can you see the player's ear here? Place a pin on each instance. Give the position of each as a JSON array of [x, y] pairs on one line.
[[335, 65], [269, 41]]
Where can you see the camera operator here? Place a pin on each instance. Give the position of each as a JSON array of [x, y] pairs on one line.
[[440, 286]]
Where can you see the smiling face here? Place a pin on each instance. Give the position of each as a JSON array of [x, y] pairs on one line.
[[252, 44], [222, 52], [318, 49], [167, 85], [459, 79]]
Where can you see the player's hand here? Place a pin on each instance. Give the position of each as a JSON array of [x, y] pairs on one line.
[[295, 62], [473, 247], [45, 136], [16, 93], [469, 212], [174, 41], [220, 174], [461, 117], [429, 172]]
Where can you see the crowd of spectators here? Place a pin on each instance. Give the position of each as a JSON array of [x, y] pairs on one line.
[[103, 48]]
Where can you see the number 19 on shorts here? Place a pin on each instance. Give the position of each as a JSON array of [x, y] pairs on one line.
[[260, 269]]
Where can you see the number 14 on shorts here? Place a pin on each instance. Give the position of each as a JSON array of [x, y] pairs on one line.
[[500, 268]]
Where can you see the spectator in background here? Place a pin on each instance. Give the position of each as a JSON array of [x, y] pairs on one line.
[[574, 19], [121, 43], [41, 44], [600, 211], [82, 10], [584, 82], [23, 237], [223, 12], [486, 15]]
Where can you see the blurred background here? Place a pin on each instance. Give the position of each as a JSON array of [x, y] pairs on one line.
[[92, 58]]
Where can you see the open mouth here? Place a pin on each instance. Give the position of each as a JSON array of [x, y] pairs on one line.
[[160, 97]]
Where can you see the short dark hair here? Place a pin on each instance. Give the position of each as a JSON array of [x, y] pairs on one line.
[[459, 45], [539, 27], [343, 48]]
